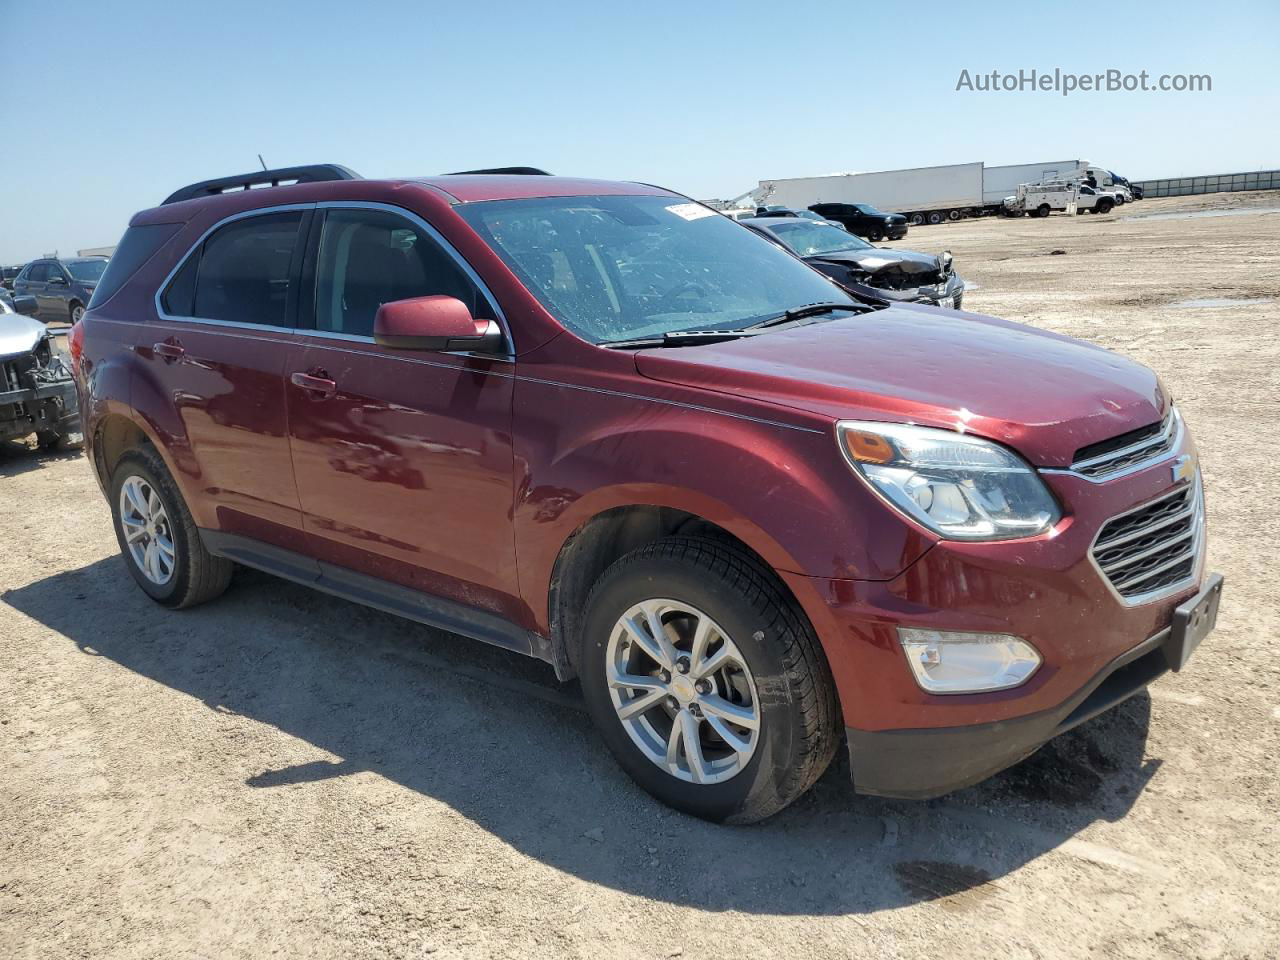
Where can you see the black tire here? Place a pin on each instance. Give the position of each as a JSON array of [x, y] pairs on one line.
[[917, 219], [875, 236], [197, 575], [1104, 206], [75, 311], [56, 441], [800, 719], [954, 214], [1042, 210], [935, 218]]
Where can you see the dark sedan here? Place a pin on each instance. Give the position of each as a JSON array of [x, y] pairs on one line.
[[899, 275]]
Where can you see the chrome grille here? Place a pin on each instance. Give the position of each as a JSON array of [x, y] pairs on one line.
[[1112, 456], [1154, 547]]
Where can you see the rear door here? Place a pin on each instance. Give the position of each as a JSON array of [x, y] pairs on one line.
[[214, 361], [403, 459]]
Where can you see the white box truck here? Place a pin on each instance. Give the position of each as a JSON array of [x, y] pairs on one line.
[[921, 194], [1003, 181]]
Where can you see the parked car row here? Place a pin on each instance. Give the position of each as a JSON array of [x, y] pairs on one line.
[[758, 510]]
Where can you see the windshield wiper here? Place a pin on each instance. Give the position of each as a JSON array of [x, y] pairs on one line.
[[680, 338], [806, 310]]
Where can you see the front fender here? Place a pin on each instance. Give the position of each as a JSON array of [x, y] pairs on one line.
[[784, 491]]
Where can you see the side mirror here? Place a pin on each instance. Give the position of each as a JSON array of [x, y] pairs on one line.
[[26, 306], [58, 280], [434, 323]]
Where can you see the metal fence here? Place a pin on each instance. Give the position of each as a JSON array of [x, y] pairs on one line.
[[1216, 183]]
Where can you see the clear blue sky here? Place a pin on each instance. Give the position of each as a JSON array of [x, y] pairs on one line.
[[110, 106]]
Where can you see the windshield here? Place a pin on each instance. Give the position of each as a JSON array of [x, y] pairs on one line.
[[810, 239], [87, 271], [629, 267], [869, 210]]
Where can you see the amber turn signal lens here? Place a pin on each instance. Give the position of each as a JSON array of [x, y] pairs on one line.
[[867, 447]]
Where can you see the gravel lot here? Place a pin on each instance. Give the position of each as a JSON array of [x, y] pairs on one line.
[[282, 773]]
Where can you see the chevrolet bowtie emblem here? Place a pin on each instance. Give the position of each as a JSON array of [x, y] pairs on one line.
[[1184, 468]]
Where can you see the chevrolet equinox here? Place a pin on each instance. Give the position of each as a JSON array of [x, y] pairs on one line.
[[602, 425]]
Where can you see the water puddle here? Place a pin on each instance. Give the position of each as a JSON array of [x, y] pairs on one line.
[[1210, 303], [1200, 214]]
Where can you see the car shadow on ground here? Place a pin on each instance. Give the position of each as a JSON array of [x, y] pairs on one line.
[[20, 456], [491, 734]]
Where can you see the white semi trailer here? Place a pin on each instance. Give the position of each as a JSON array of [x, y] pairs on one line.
[[922, 194]]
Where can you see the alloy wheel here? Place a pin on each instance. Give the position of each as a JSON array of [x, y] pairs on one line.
[[147, 533], [683, 691]]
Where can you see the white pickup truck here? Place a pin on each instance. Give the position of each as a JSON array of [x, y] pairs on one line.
[[1041, 199]]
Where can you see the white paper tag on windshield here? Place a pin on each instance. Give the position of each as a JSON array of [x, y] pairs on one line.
[[691, 211]]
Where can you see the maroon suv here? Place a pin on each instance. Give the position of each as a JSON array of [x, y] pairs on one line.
[[604, 426]]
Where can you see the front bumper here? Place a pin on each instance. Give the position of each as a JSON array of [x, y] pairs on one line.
[[949, 293], [46, 408], [896, 231], [923, 763]]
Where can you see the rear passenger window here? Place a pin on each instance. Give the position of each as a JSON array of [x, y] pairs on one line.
[[240, 274], [371, 257], [38, 272]]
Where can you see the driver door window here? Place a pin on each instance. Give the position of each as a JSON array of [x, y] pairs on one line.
[[371, 257]]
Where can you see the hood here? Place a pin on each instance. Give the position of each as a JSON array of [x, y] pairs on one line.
[[19, 334], [877, 260], [1043, 394]]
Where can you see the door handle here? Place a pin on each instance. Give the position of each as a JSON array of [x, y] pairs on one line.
[[325, 387], [170, 351]]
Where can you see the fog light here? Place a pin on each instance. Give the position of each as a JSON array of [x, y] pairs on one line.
[[944, 661]]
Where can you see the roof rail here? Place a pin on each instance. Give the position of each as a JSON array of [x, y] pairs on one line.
[[510, 171], [311, 173]]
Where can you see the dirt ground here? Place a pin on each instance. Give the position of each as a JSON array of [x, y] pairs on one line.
[[281, 773]]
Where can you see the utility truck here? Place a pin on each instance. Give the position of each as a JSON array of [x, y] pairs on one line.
[[1003, 181], [1041, 199]]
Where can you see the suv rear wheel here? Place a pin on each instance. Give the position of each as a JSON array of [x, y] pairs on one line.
[[707, 681], [77, 311], [158, 538]]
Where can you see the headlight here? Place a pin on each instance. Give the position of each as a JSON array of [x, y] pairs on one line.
[[957, 485], [943, 661]]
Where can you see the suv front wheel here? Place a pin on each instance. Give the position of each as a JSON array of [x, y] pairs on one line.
[[158, 538], [707, 681]]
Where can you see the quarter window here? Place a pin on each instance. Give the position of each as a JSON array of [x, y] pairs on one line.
[[371, 257]]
